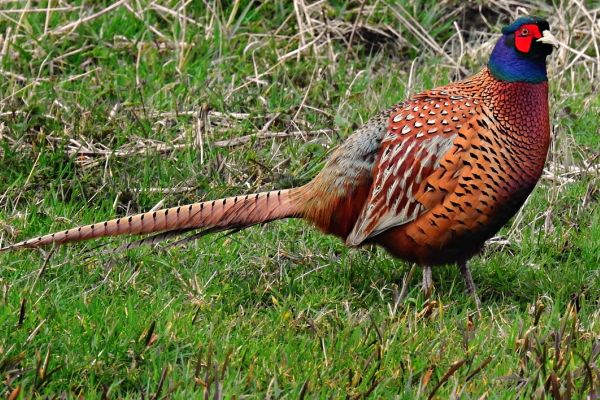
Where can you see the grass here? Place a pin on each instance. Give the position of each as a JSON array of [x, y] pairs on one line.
[[142, 102]]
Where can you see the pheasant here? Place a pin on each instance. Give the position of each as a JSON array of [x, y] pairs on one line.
[[430, 179]]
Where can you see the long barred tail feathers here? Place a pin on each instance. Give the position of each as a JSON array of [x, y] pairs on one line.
[[236, 212]]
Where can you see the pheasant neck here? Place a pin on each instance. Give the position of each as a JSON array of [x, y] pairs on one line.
[[508, 65]]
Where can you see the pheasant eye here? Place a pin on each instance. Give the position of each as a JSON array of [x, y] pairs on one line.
[[524, 32]]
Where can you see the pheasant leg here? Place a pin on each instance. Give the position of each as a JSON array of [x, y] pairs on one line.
[[405, 283], [427, 285], [466, 274]]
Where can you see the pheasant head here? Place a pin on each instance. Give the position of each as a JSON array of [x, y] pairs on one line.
[[520, 54]]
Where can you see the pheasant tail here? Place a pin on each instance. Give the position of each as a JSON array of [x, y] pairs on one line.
[[236, 212]]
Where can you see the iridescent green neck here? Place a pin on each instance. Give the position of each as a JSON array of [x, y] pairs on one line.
[[508, 65]]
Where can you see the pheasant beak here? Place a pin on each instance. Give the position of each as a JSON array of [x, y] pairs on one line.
[[549, 38]]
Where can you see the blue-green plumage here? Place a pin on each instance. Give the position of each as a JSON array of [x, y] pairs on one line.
[[527, 19], [508, 64]]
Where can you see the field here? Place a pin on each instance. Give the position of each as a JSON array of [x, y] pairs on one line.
[[113, 108]]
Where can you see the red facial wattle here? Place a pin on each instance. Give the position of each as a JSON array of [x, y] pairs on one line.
[[525, 35]]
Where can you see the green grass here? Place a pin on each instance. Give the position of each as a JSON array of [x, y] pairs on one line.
[[277, 311]]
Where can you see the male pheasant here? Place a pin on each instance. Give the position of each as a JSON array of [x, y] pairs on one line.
[[430, 179]]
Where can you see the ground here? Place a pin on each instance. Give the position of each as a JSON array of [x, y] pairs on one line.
[[108, 109]]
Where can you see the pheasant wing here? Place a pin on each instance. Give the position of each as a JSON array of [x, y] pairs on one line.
[[419, 151]]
